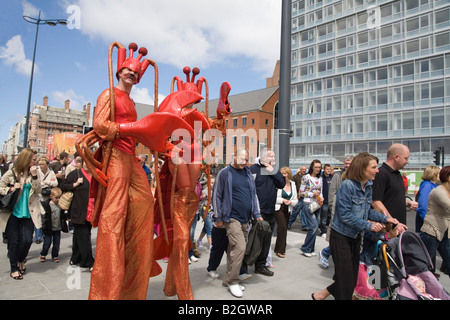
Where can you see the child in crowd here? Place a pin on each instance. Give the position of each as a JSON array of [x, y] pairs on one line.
[[53, 222]]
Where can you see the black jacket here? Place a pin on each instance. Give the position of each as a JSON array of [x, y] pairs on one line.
[[80, 202], [266, 187], [47, 220]]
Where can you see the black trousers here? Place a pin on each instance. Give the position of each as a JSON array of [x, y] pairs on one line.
[[81, 246], [345, 252], [219, 242]]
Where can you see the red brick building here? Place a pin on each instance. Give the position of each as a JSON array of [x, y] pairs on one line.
[[46, 121]]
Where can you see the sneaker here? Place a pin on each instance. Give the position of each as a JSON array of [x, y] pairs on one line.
[[213, 274], [244, 276], [199, 243], [313, 254], [42, 258], [235, 290], [264, 271], [307, 254], [323, 260], [193, 259], [56, 260]]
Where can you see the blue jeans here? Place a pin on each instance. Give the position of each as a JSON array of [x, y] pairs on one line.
[[312, 219], [38, 234], [192, 235], [207, 226], [326, 252], [295, 211], [433, 245], [20, 237], [54, 237], [323, 218]]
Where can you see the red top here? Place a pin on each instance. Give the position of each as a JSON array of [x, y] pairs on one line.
[[125, 112]]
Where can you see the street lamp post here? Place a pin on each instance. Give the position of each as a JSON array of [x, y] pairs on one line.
[[284, 104], [37, 22]]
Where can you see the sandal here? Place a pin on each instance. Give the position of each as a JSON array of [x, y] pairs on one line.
[[18, 277], [22, 271]]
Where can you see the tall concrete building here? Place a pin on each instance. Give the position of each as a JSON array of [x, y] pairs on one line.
[[369, 73]]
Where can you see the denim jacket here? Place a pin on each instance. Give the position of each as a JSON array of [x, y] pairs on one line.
[[353, 209], [222, 195]]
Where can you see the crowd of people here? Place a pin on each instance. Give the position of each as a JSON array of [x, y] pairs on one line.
[[352, 208], [249, 205], [38, 213]]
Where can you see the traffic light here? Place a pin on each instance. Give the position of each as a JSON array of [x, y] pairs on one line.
[[437, 157]]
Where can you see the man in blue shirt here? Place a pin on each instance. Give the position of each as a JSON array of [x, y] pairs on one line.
[[234, 201]]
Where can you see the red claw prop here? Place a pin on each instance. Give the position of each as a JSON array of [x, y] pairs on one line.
[[223, 108], [177, 103], [154, 130]]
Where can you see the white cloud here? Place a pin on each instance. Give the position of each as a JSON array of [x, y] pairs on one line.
[[142, 95], [13, 54], [80, 66], [195, 33], [30, 10], [58, 99]]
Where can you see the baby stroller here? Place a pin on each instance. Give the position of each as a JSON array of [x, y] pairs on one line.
[[406, 258]]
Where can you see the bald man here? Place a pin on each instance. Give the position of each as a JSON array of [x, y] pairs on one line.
[[388, 188]]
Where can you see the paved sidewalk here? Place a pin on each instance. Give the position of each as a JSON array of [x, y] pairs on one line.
[[296, 276]]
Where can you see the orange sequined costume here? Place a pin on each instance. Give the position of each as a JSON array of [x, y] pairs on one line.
[[124, 202]]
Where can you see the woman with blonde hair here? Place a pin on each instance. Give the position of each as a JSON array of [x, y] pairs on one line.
[[27, 211], [430, 177], [47, 177], [286, 201]]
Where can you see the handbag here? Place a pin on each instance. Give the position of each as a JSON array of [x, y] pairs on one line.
[[8, 201], [66, 200], [46, 190], [314, 206]]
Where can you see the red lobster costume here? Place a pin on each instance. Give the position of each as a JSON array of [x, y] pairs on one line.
[[124, 202], [124, 208], [178, 181]]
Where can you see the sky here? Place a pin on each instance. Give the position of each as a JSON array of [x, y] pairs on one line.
[[234, 40]]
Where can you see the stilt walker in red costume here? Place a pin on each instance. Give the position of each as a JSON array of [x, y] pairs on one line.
[[181, 201], [124, 201]]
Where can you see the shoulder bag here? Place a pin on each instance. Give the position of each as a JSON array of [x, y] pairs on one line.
[[8, 201], [66, 199]]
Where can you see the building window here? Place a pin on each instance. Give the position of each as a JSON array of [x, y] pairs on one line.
[[244, 121], [235, 122]]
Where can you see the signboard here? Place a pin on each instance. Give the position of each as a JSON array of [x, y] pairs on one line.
[[62, 142]]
